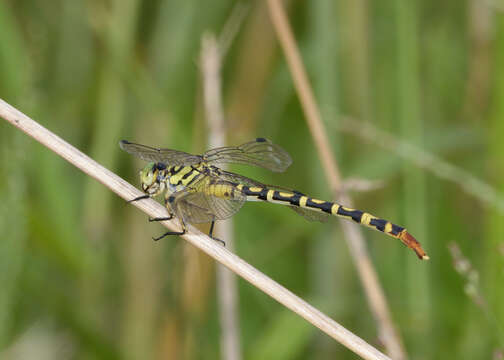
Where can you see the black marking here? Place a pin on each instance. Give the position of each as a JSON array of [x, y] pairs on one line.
[[326, 206], [246, 191], [293, 200], [186, 175], [215, 169], [379, 224], [261, 140], [175, 169], [356, 215], [263, 195], [171, 199], [193, 179], [396, 229], [160, 166]]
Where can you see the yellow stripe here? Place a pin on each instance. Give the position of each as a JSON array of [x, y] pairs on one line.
[[255, 189], [302, 201], [388, 228], [219, 190], [269, 195], [174, 179], [366, 218], [285, 194], [239, 187], [317, 201], [188, 179], [334, 209]]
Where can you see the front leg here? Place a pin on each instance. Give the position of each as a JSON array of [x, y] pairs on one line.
[[186, 205], [169, 203]]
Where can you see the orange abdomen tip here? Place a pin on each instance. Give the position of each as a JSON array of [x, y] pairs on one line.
[[408, 240]]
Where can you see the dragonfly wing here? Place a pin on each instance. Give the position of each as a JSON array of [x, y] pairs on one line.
[[199, 207], [260, 152], [310, 215], [167, 156], [238, 179], [201, 204], [235, 178]]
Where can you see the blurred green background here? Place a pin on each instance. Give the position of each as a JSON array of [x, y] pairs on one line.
[[80, 277]]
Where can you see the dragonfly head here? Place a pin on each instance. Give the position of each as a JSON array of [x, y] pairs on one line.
[[150, 179]]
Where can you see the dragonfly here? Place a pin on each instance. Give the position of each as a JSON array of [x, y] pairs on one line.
[[197, 191]]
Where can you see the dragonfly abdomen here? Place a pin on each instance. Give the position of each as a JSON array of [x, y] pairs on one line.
[[223, 190], [256, 193]]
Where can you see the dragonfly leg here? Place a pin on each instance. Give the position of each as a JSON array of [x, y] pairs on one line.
[[169, 233], [161, 218], [210, 233], [139, 198]]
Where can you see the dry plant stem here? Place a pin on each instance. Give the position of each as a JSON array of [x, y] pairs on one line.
[[195, 237], [227, 292], [355, 241]]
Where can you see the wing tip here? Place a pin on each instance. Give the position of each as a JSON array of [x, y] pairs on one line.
[[122, 143]]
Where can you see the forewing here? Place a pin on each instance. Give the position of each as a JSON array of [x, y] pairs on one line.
[[167, 156], [238, 179], [260, 152]]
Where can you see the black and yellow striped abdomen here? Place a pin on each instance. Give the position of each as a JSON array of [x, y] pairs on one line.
[[358, 216]]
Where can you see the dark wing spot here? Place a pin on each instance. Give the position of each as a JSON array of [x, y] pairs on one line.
[[261, 140]]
